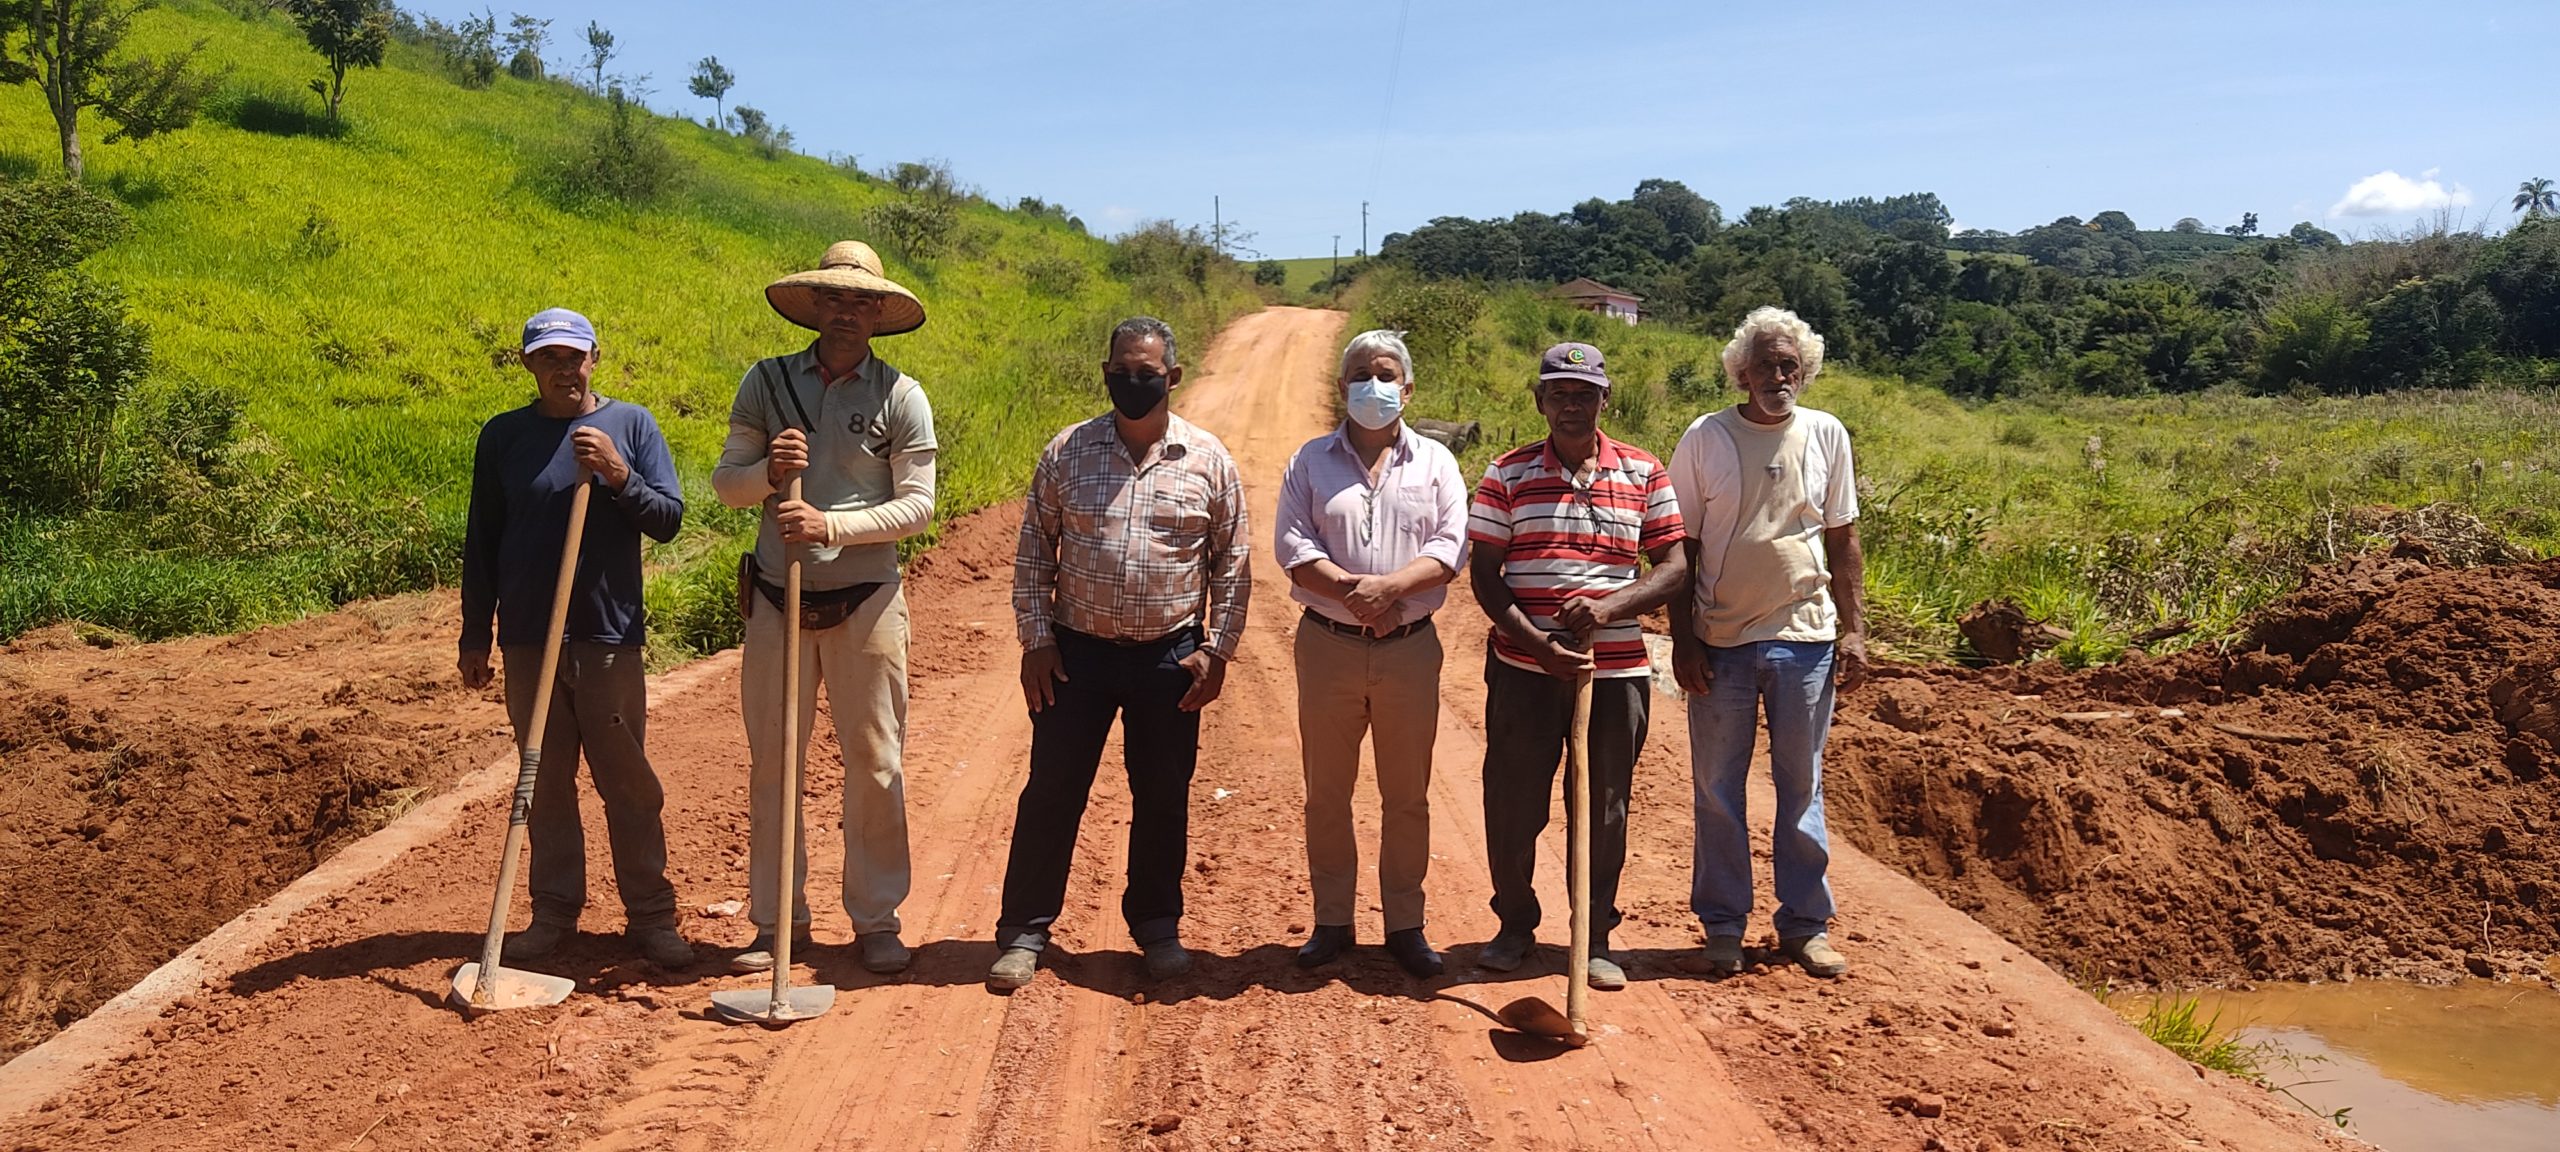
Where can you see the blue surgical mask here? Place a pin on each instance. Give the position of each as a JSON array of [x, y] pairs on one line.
[[1375, 404]]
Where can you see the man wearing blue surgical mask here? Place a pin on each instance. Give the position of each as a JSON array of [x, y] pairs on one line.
[[1372, 524]]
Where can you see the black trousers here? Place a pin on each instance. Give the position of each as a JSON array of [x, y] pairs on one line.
[[1140, 685], [1526, 717]]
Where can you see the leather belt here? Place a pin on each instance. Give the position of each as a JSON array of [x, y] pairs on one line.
[[1355, 630]]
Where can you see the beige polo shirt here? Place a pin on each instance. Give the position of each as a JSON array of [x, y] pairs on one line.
[[861, 429]]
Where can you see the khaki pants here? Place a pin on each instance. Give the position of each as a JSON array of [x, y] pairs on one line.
[[863, 662], [1349, 686]]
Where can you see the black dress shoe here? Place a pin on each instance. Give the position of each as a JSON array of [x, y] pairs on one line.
[[1324, 946], [1413, 953]]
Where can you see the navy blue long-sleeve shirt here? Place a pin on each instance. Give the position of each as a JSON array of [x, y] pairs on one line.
[[523, 476]]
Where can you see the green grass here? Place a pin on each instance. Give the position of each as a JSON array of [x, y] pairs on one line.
[[1304, 273], [363, 290], [2199, 508]]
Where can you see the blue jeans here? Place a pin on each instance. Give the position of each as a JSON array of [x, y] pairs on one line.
[[1792, 681]]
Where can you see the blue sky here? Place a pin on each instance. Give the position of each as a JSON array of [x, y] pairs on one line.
[[2358, 116]]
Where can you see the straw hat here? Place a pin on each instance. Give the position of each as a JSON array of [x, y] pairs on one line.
[[850, 265]]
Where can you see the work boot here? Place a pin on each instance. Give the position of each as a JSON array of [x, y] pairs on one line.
[[1167, 959], [883, 952], [663, 946], [1414, 953], [1506, 952], [1604, 975], [538, 941], [1324, 945], [1815, 954], [1722, 956], [1013, 969], [759, 956]]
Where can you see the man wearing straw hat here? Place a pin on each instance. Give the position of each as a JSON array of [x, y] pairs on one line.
[[527, 468], [859, 435]]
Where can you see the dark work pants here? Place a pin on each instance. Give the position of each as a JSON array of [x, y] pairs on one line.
[[1140, 684], [1526, 717], [599, 706]]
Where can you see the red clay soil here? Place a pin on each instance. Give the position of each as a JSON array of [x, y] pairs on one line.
[[2368, 786], [152, 792], [1943, 1036]]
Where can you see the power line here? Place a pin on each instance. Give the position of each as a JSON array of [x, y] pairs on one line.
[[1386, 117]]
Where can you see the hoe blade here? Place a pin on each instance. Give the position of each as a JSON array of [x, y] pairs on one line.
[[510, 988], [1531, 1016], [757, 1005]]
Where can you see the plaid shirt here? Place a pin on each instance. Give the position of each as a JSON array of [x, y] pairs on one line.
[[1129, 550]]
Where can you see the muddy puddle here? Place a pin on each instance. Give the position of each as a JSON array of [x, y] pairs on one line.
[[2472, 1066]]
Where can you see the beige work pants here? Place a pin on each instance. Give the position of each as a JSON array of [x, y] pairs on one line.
[[863, 663], [1348, 687]]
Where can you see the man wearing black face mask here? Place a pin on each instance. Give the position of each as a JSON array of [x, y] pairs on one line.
[[1129, 591]]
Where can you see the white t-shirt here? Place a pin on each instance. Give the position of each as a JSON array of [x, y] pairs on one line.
[[1756, 498]]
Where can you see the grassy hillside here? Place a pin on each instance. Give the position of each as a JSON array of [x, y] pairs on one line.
[[363, 291], [1304, 273], [2105, 516]]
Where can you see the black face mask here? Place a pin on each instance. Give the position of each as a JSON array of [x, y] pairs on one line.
[[1135, 395]]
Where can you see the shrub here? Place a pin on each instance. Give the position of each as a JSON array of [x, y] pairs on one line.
[[918, 229], [624, 162], [2311, 340], [1270, 274], [68, 355]]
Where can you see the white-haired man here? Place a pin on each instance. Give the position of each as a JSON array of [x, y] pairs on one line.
[[1775, 619], [1372, 523]]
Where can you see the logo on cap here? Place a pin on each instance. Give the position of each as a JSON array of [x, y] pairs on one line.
[[1575, 355]]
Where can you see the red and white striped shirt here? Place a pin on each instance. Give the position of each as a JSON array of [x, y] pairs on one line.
[[1562, 539]]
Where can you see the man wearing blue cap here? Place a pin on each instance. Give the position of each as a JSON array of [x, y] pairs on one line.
[[529, 465]]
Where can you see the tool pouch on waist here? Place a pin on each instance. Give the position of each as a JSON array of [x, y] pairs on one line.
[[819, 611]]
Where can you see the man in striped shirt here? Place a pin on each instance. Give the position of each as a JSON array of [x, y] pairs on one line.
[[1560, 528], [1130, 585]]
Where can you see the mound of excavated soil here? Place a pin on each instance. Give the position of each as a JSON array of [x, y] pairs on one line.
[[150, 793], [2369, 786]]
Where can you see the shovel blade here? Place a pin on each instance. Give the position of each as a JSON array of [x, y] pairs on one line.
[[757, 1005], [1532, 1016], [509, 988]]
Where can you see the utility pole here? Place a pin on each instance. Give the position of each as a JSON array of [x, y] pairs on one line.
[[1337, 260], [1364, 228], [1217, 229]]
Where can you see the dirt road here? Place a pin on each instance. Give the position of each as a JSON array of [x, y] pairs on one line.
[[1943, 1036]]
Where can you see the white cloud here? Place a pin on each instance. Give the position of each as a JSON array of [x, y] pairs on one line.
[[2388, 193]]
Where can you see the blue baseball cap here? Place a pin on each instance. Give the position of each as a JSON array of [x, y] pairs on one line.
[[559, 326]]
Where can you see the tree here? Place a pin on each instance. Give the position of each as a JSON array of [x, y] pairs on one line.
[[2113, 223], [2187, 225], [769, 138], [2248, 225], [69, 48], [2536, 198], [712, 82], [347, 34], [1270, 273], [599, 50], [2311, 235], [526, 39]]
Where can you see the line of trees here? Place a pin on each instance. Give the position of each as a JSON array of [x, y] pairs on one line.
[[2097, 305]]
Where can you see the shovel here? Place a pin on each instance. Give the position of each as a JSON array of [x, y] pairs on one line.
[[1532, 1015], [486, 986], [781, 1004]]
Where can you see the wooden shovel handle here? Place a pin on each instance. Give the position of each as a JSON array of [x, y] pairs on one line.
[[785, 885], [529, 753], [1578, 789]]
